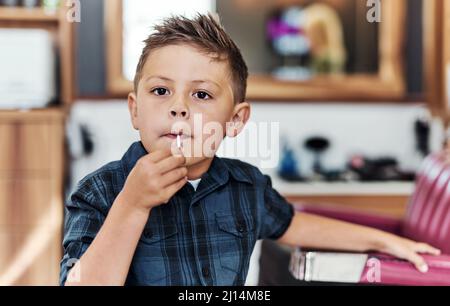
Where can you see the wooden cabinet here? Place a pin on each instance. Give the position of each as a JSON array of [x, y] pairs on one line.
[[32, 163], [33, 140], [31, 196]]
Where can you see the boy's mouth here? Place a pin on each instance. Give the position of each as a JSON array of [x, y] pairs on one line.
[[174, 136]]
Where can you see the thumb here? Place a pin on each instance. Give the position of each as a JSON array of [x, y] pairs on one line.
[[418, 262]]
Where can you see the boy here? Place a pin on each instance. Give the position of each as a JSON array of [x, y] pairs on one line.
[[138, 221]]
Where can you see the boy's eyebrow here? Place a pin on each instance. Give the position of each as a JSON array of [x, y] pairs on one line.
[[170, 80], [207, 81], [158, 77]]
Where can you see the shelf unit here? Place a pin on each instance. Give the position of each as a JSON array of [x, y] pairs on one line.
[[32, 165], [63, 34], [28, 15]]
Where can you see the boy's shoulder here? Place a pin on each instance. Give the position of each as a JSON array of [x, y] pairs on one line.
[[105, 182], [113, 174], [105, 172], [244, 171]]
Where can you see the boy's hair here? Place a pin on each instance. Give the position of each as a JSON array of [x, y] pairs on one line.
[[208, 36]]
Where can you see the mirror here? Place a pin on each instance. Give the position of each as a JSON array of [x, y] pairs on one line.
[[437, 58], [296, 50], [304, 39]]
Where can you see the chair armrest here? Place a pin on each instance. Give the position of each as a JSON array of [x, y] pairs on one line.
[[373, 269], [384, 223], [387, 270]]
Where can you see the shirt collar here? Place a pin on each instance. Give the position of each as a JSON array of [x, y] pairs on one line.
[[219, 169], [130, 158]]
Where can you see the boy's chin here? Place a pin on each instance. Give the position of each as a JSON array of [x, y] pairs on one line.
[[195, 161]]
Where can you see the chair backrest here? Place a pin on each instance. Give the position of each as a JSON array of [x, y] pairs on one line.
[[428, 216]]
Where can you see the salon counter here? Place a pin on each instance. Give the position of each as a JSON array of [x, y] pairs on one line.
[[384, 198]]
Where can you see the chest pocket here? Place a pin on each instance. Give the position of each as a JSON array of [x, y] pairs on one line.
[[152, 261], [236, 239]]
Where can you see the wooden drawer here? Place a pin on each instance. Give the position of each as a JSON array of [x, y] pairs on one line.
[[31, 221], [26, 147], [23, 201], [31, 196], [7, 146], [31, 142]]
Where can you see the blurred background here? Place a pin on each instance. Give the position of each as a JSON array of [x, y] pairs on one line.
[[360, 93]]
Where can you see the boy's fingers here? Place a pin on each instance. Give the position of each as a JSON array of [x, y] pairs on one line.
[[173, 176], [418, 262], [159, 155], [176, 150], [427, 249], [172, 189], [171, 163]]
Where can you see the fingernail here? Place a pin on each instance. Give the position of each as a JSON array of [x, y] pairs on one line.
[[423, 268]]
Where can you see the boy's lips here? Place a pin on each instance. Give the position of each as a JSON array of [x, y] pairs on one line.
[[174, 136]]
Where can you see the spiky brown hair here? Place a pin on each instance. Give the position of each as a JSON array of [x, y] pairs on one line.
[[206, 34]]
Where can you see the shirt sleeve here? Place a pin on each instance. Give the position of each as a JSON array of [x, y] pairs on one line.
[[83, 220], [277, 213]]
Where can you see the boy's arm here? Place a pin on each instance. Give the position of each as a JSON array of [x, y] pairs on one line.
[[108, 258], [311, 231], [153, 181]]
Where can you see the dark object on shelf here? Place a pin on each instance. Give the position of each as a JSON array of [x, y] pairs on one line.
[[380, 169], [317, 145], [289, 167], [333, 175], [87, 141], [422, 133]]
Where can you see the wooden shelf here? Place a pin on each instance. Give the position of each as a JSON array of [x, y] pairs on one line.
[[51, 114], [28, 15]]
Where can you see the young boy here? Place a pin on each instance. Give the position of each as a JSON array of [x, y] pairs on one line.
[[138, 221]]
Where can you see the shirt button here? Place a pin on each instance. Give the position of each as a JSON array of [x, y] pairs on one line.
[[240, 227], [206, 272], [268, 206], [148, 233]]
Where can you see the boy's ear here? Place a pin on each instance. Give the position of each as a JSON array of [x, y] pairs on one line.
[[132, 107], [241, 115]]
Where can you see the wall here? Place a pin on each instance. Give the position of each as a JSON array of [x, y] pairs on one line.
[[374, 130]]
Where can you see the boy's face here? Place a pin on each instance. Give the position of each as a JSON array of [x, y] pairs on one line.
[[180, 86]]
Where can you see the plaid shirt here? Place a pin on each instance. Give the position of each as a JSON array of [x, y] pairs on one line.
[[203, 237]]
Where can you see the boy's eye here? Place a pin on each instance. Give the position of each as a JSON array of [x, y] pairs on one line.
[[202, 95], [160, 91]]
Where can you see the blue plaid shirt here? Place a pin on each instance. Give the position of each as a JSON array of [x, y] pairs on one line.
[[203, 237]]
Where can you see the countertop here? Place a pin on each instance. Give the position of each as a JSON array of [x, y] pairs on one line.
[[393, 188]]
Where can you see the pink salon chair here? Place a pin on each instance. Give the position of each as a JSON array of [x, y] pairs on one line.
[[427, 220]]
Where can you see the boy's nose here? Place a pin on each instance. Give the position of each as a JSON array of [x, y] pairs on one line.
[[179, 111]]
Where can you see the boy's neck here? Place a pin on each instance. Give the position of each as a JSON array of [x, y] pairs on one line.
[[197, 170]]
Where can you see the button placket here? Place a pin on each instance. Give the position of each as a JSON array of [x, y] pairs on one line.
[[148, 233], [240, 226], [206, 272]]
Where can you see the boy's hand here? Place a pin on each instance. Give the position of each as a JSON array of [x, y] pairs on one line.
[[155, 178], [409, 250]]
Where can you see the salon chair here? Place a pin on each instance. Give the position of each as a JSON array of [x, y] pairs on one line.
[[427, 220]]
